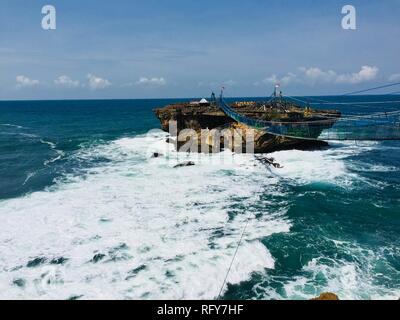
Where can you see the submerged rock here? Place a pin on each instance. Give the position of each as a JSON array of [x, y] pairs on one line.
[[59, 260], [42, 260], [156, 155], [185, 164], [19, 282], [36, 262], [98, 257], [134, 272]]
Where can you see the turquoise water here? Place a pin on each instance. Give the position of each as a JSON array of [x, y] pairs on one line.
[[86, 212]]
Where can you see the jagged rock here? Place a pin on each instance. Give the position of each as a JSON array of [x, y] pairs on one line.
[[327, 296], [185, 164], [269, 162], [210, 117], [156, 155]]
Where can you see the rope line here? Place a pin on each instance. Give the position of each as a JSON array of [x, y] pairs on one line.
[[332, 115], [358, 102], [377, 126], [297, 99], [232, 113], [371, 89], [234, 256], [354, 104]]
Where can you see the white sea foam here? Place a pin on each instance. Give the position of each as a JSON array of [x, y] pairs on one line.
[[28, 177], [348, 279], [356, 280], [375, 168], [53, 146], [351, 280], [12, 125], [164, 232], [322, 166]]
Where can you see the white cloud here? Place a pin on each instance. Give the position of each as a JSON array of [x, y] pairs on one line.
[[66, 81], [395, 77], [289, 78], [24, 82], [271, 79], [274, 79], [316, 74], [96, 83], [151, 81], [366, 73]]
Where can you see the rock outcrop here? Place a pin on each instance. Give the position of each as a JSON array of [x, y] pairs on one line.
[[327, 296], [198, 117]]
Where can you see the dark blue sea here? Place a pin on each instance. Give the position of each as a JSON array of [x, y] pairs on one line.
[[87, 213]]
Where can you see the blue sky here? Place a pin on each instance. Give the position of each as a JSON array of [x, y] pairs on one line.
[[184, 48]]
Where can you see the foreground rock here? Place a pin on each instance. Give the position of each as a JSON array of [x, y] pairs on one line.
[[198, 117], [327, 296]]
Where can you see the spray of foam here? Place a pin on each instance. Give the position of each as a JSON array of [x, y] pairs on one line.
[[135, 227], [323, 166], [351, 280], [366, 276]]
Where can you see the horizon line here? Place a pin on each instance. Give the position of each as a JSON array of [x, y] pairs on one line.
[[187, 98]]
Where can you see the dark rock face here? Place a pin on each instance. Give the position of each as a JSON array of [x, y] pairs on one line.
[[198, 117], [192, 117]]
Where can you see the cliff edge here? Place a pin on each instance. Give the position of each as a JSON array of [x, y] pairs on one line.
[[209, 116]]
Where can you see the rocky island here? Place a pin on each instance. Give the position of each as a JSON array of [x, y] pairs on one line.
[[205, 115]]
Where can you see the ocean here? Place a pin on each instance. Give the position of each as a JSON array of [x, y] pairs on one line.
[[87, 213]]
